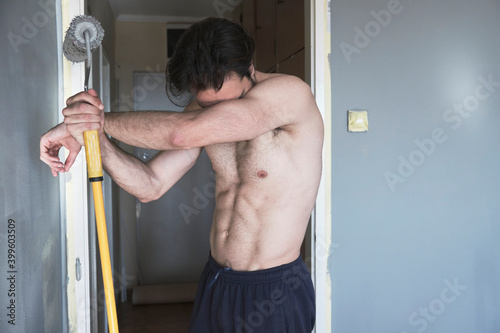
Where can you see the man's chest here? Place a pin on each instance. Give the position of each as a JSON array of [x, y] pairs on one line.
[[245, 160]]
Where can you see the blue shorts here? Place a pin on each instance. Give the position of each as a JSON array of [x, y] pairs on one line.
[[274, 300]]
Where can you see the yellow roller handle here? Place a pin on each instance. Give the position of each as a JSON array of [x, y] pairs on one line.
[[94, 164], [93, 154]]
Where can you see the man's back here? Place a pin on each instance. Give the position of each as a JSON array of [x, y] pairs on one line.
[[266, 187]]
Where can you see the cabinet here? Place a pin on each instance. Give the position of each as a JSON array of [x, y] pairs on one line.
[[294, 65], [278, 27], [265, 35], [290, 28]]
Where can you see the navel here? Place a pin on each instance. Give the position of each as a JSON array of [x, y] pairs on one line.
[[261, 174]]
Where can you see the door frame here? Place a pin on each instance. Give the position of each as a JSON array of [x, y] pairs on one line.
[[75, 194], [81, 304], [318, 35]]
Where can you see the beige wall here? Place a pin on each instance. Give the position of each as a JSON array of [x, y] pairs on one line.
[[140, 47]]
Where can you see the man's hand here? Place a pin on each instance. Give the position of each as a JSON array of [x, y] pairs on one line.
[[83, 112], [50, 144]]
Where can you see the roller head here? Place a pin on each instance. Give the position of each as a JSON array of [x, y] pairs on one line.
[[74, 46]]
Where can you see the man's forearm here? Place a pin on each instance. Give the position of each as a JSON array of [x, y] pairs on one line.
[[145, 129], [127, 171]]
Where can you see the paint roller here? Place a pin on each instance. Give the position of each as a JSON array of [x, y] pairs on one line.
[[83, 36]]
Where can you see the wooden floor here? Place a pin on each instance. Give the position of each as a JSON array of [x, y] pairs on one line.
[[164, 318]]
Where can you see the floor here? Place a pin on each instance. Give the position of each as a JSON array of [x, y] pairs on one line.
[[170, 318]]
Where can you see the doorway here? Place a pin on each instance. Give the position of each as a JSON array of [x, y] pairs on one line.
[[314, 56]]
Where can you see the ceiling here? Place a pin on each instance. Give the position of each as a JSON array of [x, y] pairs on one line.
[[164, 10]]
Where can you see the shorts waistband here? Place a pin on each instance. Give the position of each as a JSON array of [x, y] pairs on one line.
[[260, 276]]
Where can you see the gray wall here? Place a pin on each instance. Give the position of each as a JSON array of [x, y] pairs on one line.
[[416, 214], [29, 195]]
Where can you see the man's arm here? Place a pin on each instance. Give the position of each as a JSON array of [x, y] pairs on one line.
[[273, 103], [146, 181]]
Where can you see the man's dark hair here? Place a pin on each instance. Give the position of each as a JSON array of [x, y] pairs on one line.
[[205, 55]]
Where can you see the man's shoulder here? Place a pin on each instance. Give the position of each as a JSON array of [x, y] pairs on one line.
[[293, 101], [282, 80], [287, 89]]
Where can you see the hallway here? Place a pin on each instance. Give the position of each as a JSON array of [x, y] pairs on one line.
[[164, 318]]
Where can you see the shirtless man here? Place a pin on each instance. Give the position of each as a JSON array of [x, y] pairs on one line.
[[263, 134]]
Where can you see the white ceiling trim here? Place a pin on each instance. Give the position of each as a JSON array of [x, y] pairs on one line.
[[151, 18]]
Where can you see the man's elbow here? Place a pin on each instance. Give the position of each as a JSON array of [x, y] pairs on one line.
[[177, 140], [144, 199], [153, 194], [148, 198]]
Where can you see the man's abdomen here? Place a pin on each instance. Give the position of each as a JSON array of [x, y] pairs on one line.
[[249, 233]]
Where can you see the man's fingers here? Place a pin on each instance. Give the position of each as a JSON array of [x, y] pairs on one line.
[[93, 92], [83, 113], [82, 118], [70, 160], [47, 158], [80, 108], [48, 153], [56, 169], [89, 97], [57, 166], [58, 137], [54, 163]]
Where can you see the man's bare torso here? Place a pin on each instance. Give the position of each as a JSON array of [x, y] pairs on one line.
[[265, 191]]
